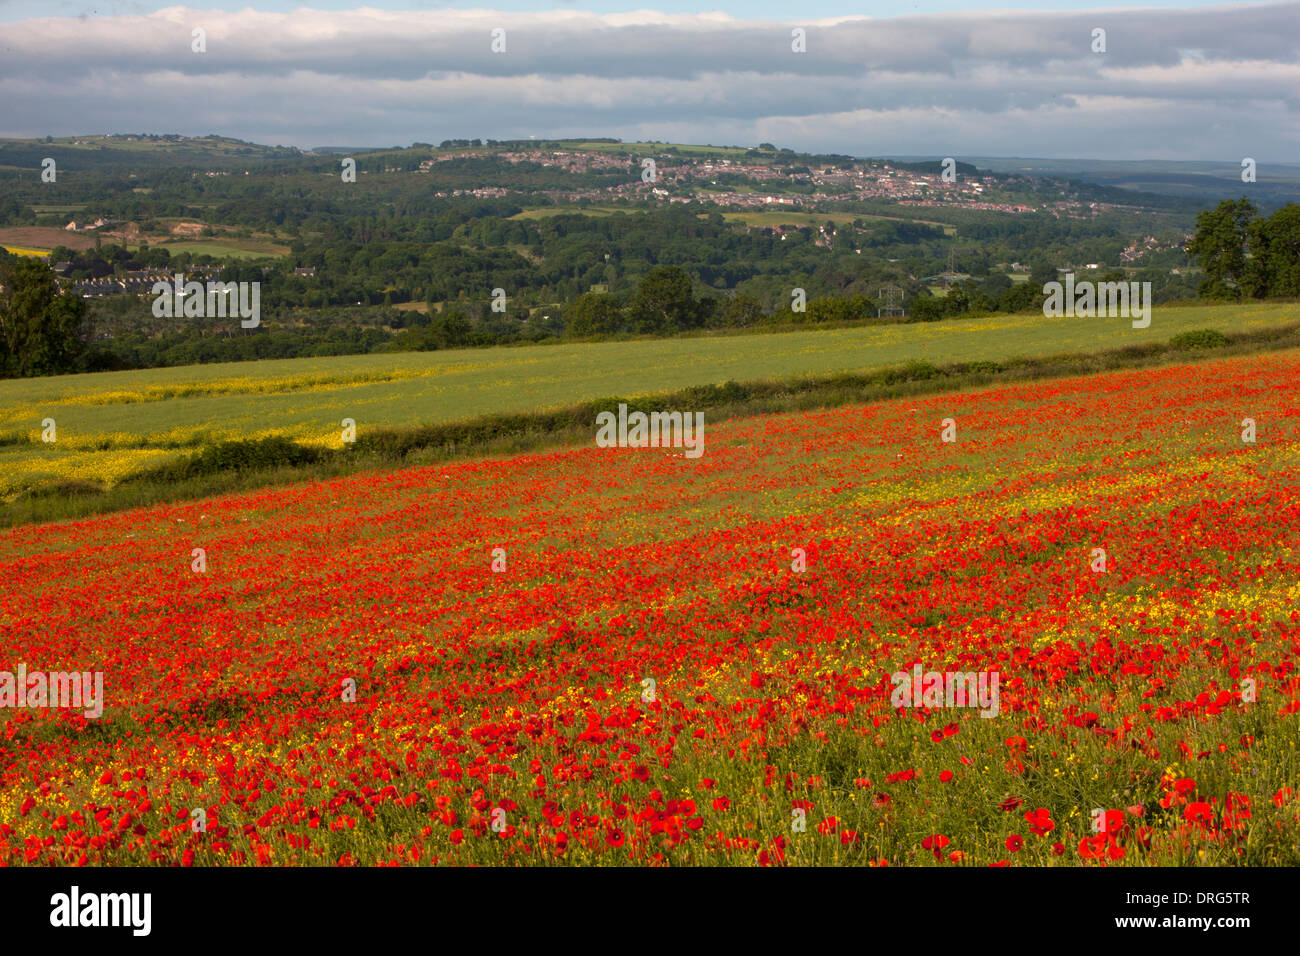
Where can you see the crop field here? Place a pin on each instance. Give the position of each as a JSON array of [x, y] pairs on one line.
[[778, 217], [44, 237], [545, 212], [756, 218], [628, 656], [226, 248], [108, 425]]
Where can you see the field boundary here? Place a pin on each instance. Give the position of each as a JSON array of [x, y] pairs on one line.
[[257, 463]]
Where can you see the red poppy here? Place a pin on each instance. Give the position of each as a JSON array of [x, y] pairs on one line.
[[935, 842], [1040, 821]]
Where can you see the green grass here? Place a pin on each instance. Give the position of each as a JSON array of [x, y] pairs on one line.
[[789, 217], [116, 423], [759, 217], [227, 248], [545, 212]]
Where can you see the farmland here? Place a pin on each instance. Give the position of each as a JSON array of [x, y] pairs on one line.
[[778, 217], [651, 679], [227, 248], [110, 424], [43, 237], [754, 218], [545, 212]]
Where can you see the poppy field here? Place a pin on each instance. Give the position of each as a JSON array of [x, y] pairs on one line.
[[626, 656]]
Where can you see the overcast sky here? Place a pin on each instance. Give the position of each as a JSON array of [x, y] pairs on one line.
[[1191, 81]]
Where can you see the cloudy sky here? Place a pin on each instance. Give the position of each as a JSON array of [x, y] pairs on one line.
[[933, 77]]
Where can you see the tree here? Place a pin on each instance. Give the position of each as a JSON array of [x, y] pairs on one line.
[[841, 309], [593, 313], [739, 311], [1219, 246], [1041, 272], [997, 284], [925, 308], [1274, 264], [450, 328], [1019, 297], [40, 327], [665, 302]]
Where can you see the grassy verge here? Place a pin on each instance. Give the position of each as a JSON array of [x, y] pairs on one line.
[[255, 463]]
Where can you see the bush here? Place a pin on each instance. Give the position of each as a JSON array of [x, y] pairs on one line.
[[251, 454], [234, 456], [908, 372], [1199, 339], [67, 488]]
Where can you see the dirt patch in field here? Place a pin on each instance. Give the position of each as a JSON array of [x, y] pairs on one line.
[[44, 237]]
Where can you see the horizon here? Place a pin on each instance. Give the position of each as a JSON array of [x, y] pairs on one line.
[[592, 137], [930, 81]]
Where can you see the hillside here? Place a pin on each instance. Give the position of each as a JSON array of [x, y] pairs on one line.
[[626, 656]]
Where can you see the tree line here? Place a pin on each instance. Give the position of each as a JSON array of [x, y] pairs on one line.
[[44, 331], [1245, 255]]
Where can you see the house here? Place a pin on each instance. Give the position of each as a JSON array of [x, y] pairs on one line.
[[309, 272]]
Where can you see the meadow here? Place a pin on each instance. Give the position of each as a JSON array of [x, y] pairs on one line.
[[680, 661], [778, 217], [27, 241], [111, 424], [755, 218], [226, 248]]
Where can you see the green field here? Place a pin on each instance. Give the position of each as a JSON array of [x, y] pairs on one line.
[[788, 217], [110, 424], [757, 217], [226, 248], [545, 212]]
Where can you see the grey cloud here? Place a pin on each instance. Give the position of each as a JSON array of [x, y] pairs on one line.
[[388, 77]]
